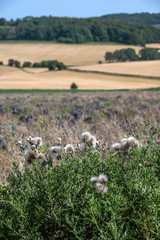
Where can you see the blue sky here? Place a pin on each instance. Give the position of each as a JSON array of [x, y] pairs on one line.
[[72, 8]]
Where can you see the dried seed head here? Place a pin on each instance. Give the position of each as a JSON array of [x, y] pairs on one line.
[[102, 178], [133, 141], [116, 147], [98, 143], [37, 141], [85, 137], [59, 141], [125, 144], [56, 149], [69, 148], [93, 141], [100, 187], [94, 179]]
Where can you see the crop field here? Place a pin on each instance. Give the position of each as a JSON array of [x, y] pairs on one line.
[[145, 68], [13, 78], [69, 54], [83, 57]]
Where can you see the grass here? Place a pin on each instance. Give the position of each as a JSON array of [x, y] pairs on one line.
[[38, 91], [61, 203]]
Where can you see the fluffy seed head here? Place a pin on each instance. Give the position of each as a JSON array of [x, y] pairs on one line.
[[59, 141], [85, 137], [69, 148], [125, 144], [37, 141], [116, 147], [102, 178], [93, 141], [101, 188], [56, 149], [94, 179], [133, 141]]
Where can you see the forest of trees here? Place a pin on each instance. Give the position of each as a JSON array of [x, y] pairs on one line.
[[75, 30], [140, 18]]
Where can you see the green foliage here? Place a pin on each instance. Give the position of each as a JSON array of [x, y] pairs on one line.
[[11, 62], [141, 18], [1, 63], [61, 203], [2, 21], [27, 64], [74, 30], [14, 63], [149, 54], [74, 86], [17, 64], [129, 54], [122, 55], [50, 64]]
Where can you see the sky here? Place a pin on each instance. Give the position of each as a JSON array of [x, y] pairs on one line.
[[13, 9]]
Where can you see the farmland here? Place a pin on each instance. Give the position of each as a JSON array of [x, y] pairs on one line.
[[59, 201], [145, 68], [84, 57], [69, 54]]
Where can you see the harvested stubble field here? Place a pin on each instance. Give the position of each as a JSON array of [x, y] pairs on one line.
[[72, 55], [13, 78], [69, 54], [108, 115], [141, 68]]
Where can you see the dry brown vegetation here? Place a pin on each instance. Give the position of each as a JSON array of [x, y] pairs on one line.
[[108, 115]]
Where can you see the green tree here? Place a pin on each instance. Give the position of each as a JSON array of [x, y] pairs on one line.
[[109, 56], [11, 62], [3, 21], [17, 64], [74, 86], [149, 54], [27, 64]]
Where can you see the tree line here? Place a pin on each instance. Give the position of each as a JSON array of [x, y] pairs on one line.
[[50, 64], [129, 54], [75, 30], [140, 18]]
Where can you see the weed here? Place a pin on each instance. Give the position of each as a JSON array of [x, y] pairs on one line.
[[62, 203]]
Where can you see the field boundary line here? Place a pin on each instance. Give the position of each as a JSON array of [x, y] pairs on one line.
[[114, 74]]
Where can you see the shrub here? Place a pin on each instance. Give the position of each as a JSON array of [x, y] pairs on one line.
[[74, 86], [11, 62], [1, 63], [27, 64], [61, 202], [17, 64]]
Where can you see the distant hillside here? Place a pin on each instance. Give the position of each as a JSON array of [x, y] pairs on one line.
[[140, 18], [75, 30]]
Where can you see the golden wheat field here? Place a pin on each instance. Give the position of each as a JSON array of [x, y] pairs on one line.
[[76, 56], [145, 68], [12, 78], [69, 54]]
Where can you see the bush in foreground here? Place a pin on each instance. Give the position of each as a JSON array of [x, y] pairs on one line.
[[62, 203], [74, 86]]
